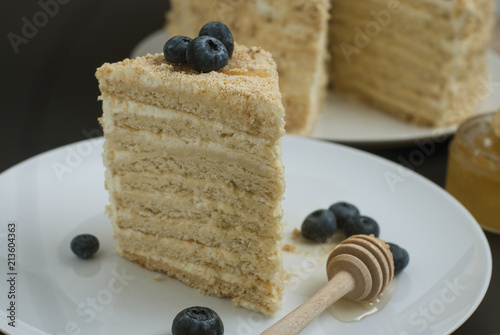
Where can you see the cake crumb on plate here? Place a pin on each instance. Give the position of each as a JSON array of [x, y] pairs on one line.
[[296, 233]]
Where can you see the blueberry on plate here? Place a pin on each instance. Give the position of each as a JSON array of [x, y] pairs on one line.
[[400, 256], [175, 49], [343, 211], [84, 245], [319, 225], [360, 224], [221, 32], [197, 321], [206, 53]]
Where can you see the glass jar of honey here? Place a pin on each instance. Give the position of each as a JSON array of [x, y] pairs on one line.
[[473, 175]]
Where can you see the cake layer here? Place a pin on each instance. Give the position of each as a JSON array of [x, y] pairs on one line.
[[415, 28], [202, 230], [189, 208], [258, 296], [194, 167], [402, 84], [174, 184], [242, 95], [137, 116], [408, 98], [412, 70], [396, 73], [141, 141], [249, 263], [250, 291], [175, 206], [428, 45], [440, 9], [414, 108], [397, 46], [416, 21]]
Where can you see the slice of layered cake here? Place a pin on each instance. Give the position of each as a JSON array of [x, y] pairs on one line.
[[295, 32], [422, 61], [194, 172]]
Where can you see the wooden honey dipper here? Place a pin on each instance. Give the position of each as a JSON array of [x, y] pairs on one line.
[[359, 269]]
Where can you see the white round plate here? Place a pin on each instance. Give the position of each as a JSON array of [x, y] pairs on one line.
[[349, 122], [56, 195]]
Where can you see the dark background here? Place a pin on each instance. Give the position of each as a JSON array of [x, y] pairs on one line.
[[49, 92]]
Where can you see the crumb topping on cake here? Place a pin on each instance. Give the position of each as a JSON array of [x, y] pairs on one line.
[[247, 85], [246, 62]]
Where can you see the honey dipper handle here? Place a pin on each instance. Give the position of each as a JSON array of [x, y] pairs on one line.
[[299, 318]]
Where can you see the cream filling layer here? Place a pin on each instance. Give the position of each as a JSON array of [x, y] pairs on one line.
[[175, 184], [201, 209], [462, 31], [203, 231], [144, 142], [255, 112], [399, 85], [241, 288], [251, 264], [185, 125], [412, 109], [217, 229], [127, 239], [176, 206], [398, 79], [241, 296], [195, 167]]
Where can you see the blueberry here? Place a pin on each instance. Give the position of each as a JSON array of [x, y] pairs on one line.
[[400, 256], [84, 245], [221, 32], [175, 49], [197, 321], [360, 224], [206, 53], [343, 211], [319, 225]]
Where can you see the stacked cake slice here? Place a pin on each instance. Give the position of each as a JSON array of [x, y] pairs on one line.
[[422, 61], [295, 32], [194, 172]]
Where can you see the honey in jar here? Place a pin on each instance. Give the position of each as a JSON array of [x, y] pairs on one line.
[[473, 175]]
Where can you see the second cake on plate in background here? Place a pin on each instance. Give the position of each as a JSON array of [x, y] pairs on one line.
[[421, 61]]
